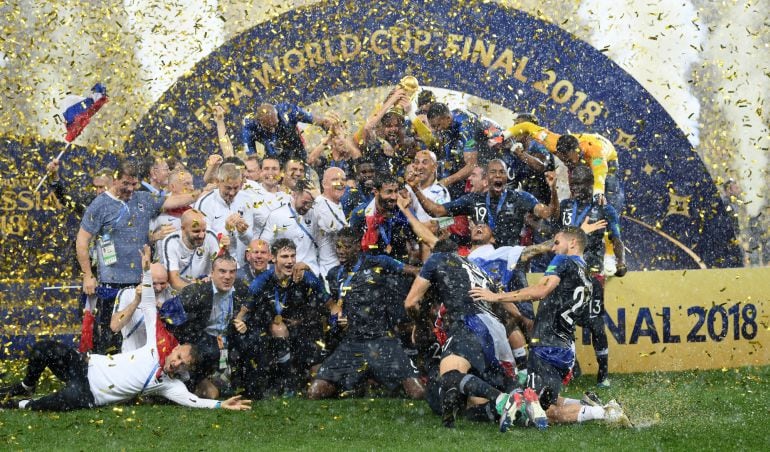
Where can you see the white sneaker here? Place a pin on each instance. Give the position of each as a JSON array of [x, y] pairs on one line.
[[613, 414]]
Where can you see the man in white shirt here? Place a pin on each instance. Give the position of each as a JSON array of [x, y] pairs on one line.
[[98, 380], [269, 194], [329, 217], [229, 211], [425, 166], [296, 222], [128, 319], [187, 255]]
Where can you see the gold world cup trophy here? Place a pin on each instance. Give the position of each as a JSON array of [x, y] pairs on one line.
[[410, 86]]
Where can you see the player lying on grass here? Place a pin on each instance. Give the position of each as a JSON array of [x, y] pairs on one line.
[[98, 380]]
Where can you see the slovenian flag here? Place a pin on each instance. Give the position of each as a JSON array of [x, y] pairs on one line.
[[79, 110]]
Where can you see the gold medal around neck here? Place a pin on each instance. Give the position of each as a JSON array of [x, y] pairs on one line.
[[278, 319]]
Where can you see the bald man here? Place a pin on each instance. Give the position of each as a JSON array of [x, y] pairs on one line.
[[258, 259], [275, 126], [179, 182], [187, 254], [425, 167], [127, 319], [330, 217]]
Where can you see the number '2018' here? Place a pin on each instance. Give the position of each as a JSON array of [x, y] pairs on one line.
[[717, 320]]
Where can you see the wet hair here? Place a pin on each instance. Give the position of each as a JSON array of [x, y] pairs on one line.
[[577, 233], [195, 356], [269, 157], [526, 117], [437, 110], [445, 246], [347, 233], [286, 163], [382, 178], [567, 144], [425, 97], [228, 171], [104, 172], [498, 161], [235, 161], [361, 161], [582, 171], [127, 168], [392, 114], [145, 165], [302, 185], [282, 243], [224, 257]]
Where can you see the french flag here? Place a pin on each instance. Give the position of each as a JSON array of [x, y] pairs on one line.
[[79, 110]]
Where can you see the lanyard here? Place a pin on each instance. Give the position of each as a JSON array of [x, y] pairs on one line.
[[149, 377], [280, 303], [137, 325], [381, 229], [577, 220], [342, 223], [352, 273], [491, 218], [301, 226]]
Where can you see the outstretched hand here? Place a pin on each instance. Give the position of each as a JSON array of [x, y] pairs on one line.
[[591, 227], [236, 403], [482, 294]]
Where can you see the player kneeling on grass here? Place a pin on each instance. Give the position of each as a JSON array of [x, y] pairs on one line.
[[370, 348], [476, 343], [564, 291], [99, 380]]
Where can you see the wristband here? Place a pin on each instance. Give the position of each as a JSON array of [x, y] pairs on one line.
[[218, 405]]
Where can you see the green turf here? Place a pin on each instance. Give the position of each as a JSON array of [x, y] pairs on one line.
[[699, 410]]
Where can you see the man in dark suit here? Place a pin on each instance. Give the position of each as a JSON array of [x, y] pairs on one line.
[[209, 308]]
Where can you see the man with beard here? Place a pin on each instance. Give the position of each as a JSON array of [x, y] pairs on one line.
[[363, 191], [361, 307], [187, 254], [391, 149], [119, 219], [288, 312], [383, 228], [501, 208]]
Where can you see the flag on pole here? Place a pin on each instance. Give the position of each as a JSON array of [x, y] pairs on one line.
[[79, 110]]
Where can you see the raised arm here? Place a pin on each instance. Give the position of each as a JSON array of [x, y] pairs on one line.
[[423, 232], [435, 210], [224, 140]]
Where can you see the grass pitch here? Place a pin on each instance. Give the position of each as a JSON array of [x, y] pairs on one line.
[[696, 410]]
